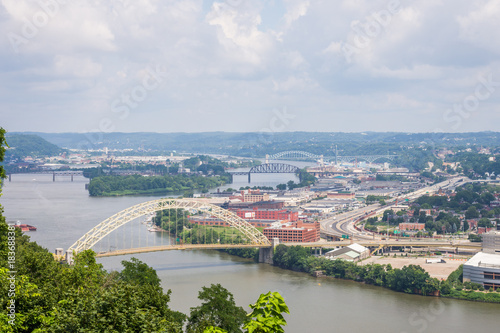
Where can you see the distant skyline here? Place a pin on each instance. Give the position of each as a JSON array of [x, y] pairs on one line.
[[250, 66]]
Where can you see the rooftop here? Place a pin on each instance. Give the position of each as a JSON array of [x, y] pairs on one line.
[[485, 260]]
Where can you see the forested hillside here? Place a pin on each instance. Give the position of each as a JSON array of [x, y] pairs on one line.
[[23, 145]]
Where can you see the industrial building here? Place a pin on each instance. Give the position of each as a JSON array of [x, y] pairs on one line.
[[484, 267], [353, 252], [491, 241]]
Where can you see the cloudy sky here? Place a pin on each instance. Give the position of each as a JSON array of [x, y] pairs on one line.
[[249, 65]]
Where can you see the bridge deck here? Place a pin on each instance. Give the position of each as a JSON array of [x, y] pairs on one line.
[[178, 247]]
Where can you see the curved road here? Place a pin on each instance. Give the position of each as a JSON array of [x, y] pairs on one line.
[[343, 224]]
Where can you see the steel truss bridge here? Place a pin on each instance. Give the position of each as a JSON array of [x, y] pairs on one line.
[[268, 168], [69, 173], [303, 155], [253, 236]]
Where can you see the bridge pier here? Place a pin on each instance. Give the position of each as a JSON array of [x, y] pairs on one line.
[[10, 177], [266, 253], [249, 177], [53, 176]]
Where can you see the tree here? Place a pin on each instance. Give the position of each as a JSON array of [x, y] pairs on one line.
[[484, 223], [281, 187], [466, 226], [267, 314], [472, 213], [135, 271], [218, 309], [3, 143], [486, 198]]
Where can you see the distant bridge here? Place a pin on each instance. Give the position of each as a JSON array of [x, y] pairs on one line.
[[303, 155], [268, 168], [369, 158], [293, 154], [70, 173], [253, 237]]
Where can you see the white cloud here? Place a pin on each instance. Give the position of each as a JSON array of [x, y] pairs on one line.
[[238, 33], [295, 10], [419, 72], [480, 26], [227, 59], [76, 67]]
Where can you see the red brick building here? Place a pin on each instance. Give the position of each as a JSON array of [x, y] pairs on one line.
[[268, 214], [215, 222], [271, 204], [297, 232], [411, 226]]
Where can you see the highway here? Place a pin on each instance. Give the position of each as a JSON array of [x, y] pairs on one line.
[[343, 224]]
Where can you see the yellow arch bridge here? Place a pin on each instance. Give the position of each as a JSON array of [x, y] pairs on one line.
[[252, 237]]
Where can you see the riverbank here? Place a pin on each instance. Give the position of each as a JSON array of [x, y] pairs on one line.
[[409, 279]]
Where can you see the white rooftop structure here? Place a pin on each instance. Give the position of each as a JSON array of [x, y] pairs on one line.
[[482, 259], [353, 252], [358, 248]]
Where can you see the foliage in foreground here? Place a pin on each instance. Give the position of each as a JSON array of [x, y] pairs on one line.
[[55, 297]]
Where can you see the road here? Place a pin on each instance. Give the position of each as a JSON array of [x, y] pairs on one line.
[[343, 224]]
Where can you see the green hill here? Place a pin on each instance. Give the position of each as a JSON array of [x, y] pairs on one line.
[[23, 145]]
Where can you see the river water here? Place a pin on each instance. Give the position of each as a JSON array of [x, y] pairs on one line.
[[63, 212]]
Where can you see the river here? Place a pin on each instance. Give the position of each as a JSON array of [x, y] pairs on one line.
[[63, 212]]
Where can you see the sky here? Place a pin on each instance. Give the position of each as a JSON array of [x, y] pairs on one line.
[[249, 65]]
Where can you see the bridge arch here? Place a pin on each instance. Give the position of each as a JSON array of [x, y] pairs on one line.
[[294, 154], [369, 158], [112, 223]]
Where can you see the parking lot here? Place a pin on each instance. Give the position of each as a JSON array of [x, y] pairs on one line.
[[437, 270]]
